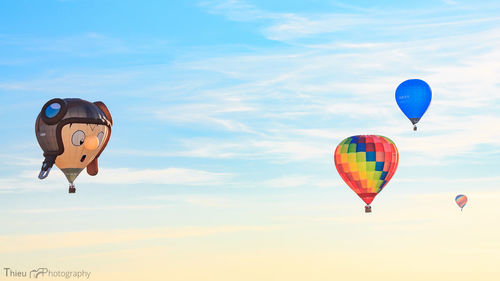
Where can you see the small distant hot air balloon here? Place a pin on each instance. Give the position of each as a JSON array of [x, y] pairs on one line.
[[413, 97], [461, 200], [72, 134], [366, 163]]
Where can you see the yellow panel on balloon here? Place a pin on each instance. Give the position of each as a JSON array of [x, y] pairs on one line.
[[351, 157], [372, 184], [369, 175], [343, 158], [362, 174], [361, 157], [353, 166]]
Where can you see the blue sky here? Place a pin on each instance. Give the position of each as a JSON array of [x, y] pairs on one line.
[[227, 112]]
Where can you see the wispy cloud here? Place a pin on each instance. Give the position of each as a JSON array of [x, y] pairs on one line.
[[450, 2], [284, 26], [300, 181], [207, 114], [88, 44], [86, 209], [170, 176], [30, 243], [290, 26], [28, 180]]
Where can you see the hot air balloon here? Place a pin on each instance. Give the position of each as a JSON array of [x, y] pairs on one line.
[[461, 200], [413, 97], [366, 163], [72, 134]]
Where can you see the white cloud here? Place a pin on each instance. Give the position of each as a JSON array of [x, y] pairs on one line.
[[300, 181], [285, 26], [15, 160], [207, 114], [171, 176], [291, 27], [192, 199], [28, 180], [86, 209], [288, 181], [34, 242]]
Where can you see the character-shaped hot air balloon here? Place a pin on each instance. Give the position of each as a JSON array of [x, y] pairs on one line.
[[72, 133], [413, 97], [461, 200], [366, 163]]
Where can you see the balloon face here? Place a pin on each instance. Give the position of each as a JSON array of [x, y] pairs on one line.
[[413, 98], [82, 143], [366, 163], [461, 201]]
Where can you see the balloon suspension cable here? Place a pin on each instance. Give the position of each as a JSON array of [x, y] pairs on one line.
[[72, 188], [368, 209], [414, 127]]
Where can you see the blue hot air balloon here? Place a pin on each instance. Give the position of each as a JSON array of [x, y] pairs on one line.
[[413, 97]]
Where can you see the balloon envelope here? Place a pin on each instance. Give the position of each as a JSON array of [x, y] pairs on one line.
[[413, 98], [366, 163], [461, 200], [72, 134]]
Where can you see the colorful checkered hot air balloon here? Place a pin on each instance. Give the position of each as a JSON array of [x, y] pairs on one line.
[[366, 163], [461, 200]]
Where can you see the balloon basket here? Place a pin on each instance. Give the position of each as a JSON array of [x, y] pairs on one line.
[[72, 188], [414, 127], [368, 209]]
